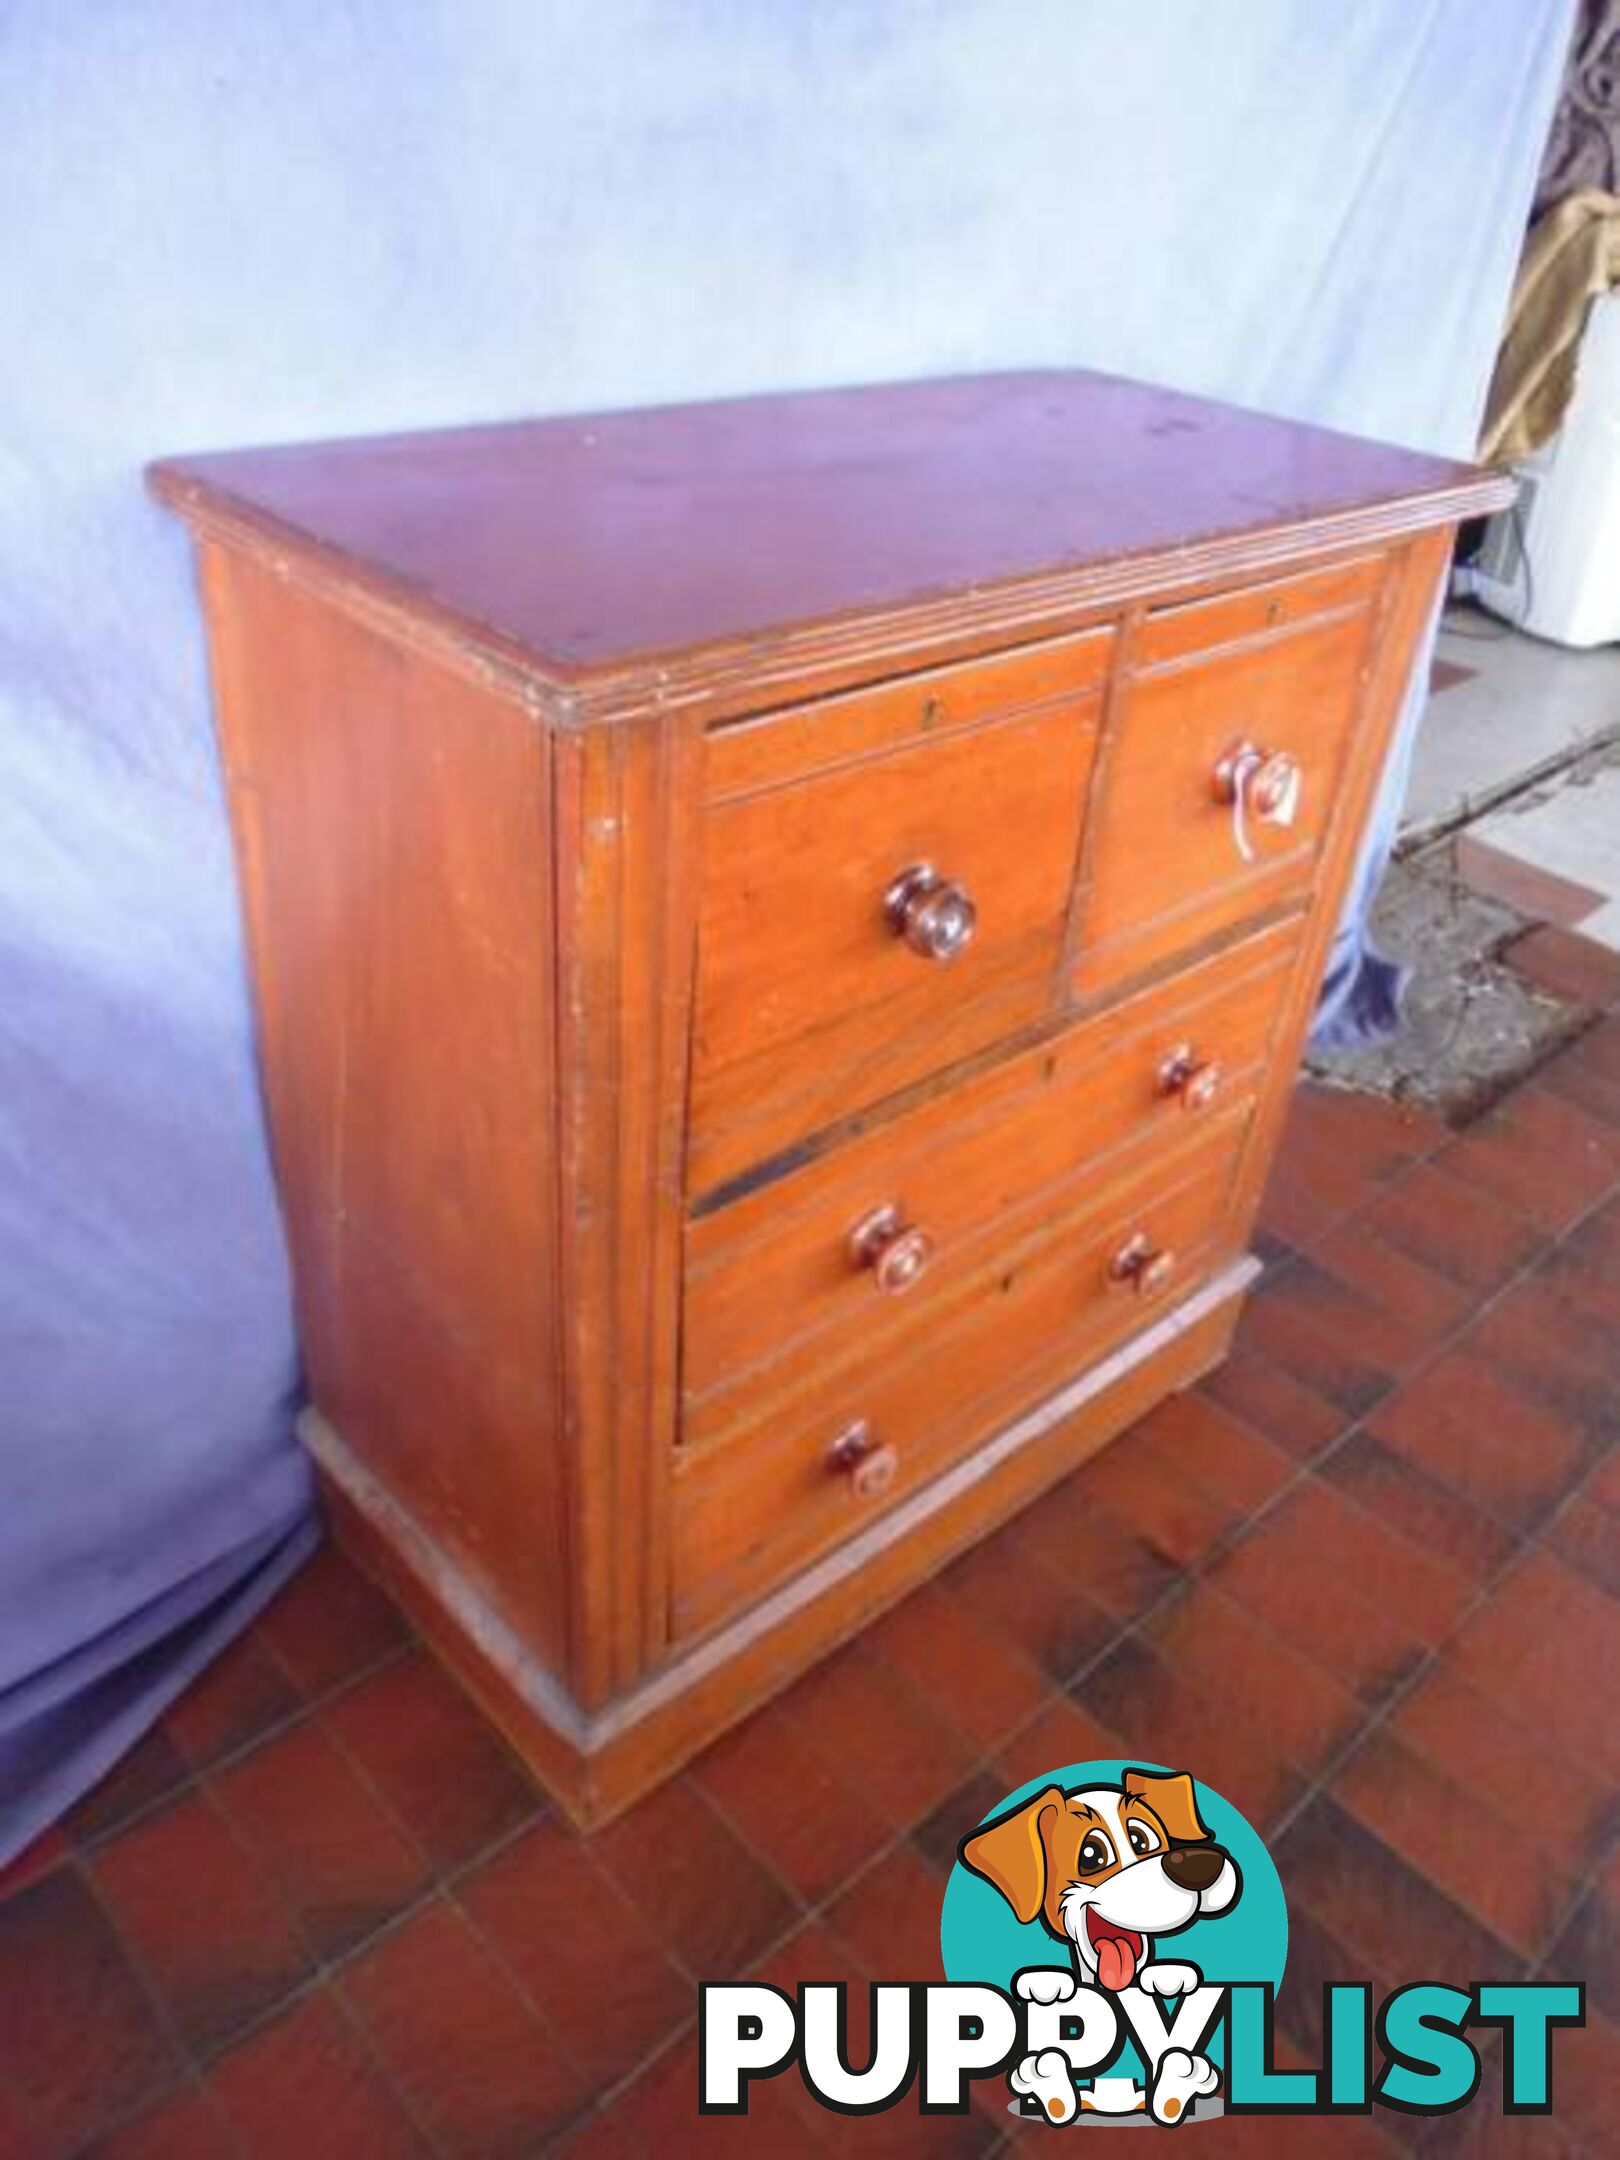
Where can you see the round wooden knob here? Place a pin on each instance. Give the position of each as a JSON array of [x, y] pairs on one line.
[[1195, 1081], [871, 1468], [935, 916], [897, 1252], [1264, 784], [1146, 1267], [1273, 786]]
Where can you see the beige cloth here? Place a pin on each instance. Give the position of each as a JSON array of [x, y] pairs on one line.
[[1572, 255]]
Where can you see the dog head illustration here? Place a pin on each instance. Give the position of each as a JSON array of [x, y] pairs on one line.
[[1107, 1868]]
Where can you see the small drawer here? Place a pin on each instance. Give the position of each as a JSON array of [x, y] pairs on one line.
[[884, 1227], [1215, 797], [817, 1470], [1201, 626], [800, 740], [871, 920]]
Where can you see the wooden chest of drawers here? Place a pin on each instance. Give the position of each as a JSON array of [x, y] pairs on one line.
[[782, 934]]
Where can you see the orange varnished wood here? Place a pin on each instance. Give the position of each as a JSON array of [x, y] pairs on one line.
[[807, 1001], [569, 764], [390, 823], [727, 555], [773, 1269], [625, 864], [1166, 868], [1410, 595], [790, 745], [1250, 611], [601, 1765], [753, 1511]]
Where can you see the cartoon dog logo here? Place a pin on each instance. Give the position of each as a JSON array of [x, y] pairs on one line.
[[1108, 1871]]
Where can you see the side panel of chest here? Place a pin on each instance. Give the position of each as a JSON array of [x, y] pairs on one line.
[[393, 827]]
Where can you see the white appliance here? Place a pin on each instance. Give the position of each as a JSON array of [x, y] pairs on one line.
[[1551, 564]]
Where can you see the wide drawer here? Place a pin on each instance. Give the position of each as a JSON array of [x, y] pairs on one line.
[[884, 890], [1218, 788], [885, 1227], [751, 1513]]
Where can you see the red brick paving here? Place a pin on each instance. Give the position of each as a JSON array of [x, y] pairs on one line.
[[1366, 1579], [1570, 966]]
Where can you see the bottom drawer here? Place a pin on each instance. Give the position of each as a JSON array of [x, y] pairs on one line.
[[748, 1515]]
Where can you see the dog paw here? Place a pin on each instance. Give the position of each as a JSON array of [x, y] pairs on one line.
[[1179, 2080], [1046, 2077], [1165, 1977], [1045, 1984]]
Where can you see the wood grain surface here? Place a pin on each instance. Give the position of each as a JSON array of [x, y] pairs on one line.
[[571, 766]]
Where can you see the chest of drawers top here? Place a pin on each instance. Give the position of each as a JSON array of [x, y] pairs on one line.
[[713, 556]]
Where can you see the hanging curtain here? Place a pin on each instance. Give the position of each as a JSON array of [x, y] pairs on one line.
[[249, 224]]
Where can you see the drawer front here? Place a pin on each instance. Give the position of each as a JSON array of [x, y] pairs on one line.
[[1192, 627], [832, 967], [815, 1471], [1197, 825], [885, 1228]]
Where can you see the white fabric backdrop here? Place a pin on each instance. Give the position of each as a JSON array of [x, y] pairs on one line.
[[283, 218]]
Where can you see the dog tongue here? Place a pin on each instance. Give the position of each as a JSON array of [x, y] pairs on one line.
[[1116, 1961]]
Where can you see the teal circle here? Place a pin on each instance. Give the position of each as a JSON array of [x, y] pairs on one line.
[[981, 1938]]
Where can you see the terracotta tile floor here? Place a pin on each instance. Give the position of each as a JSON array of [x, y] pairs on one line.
[[1366, 1580]]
